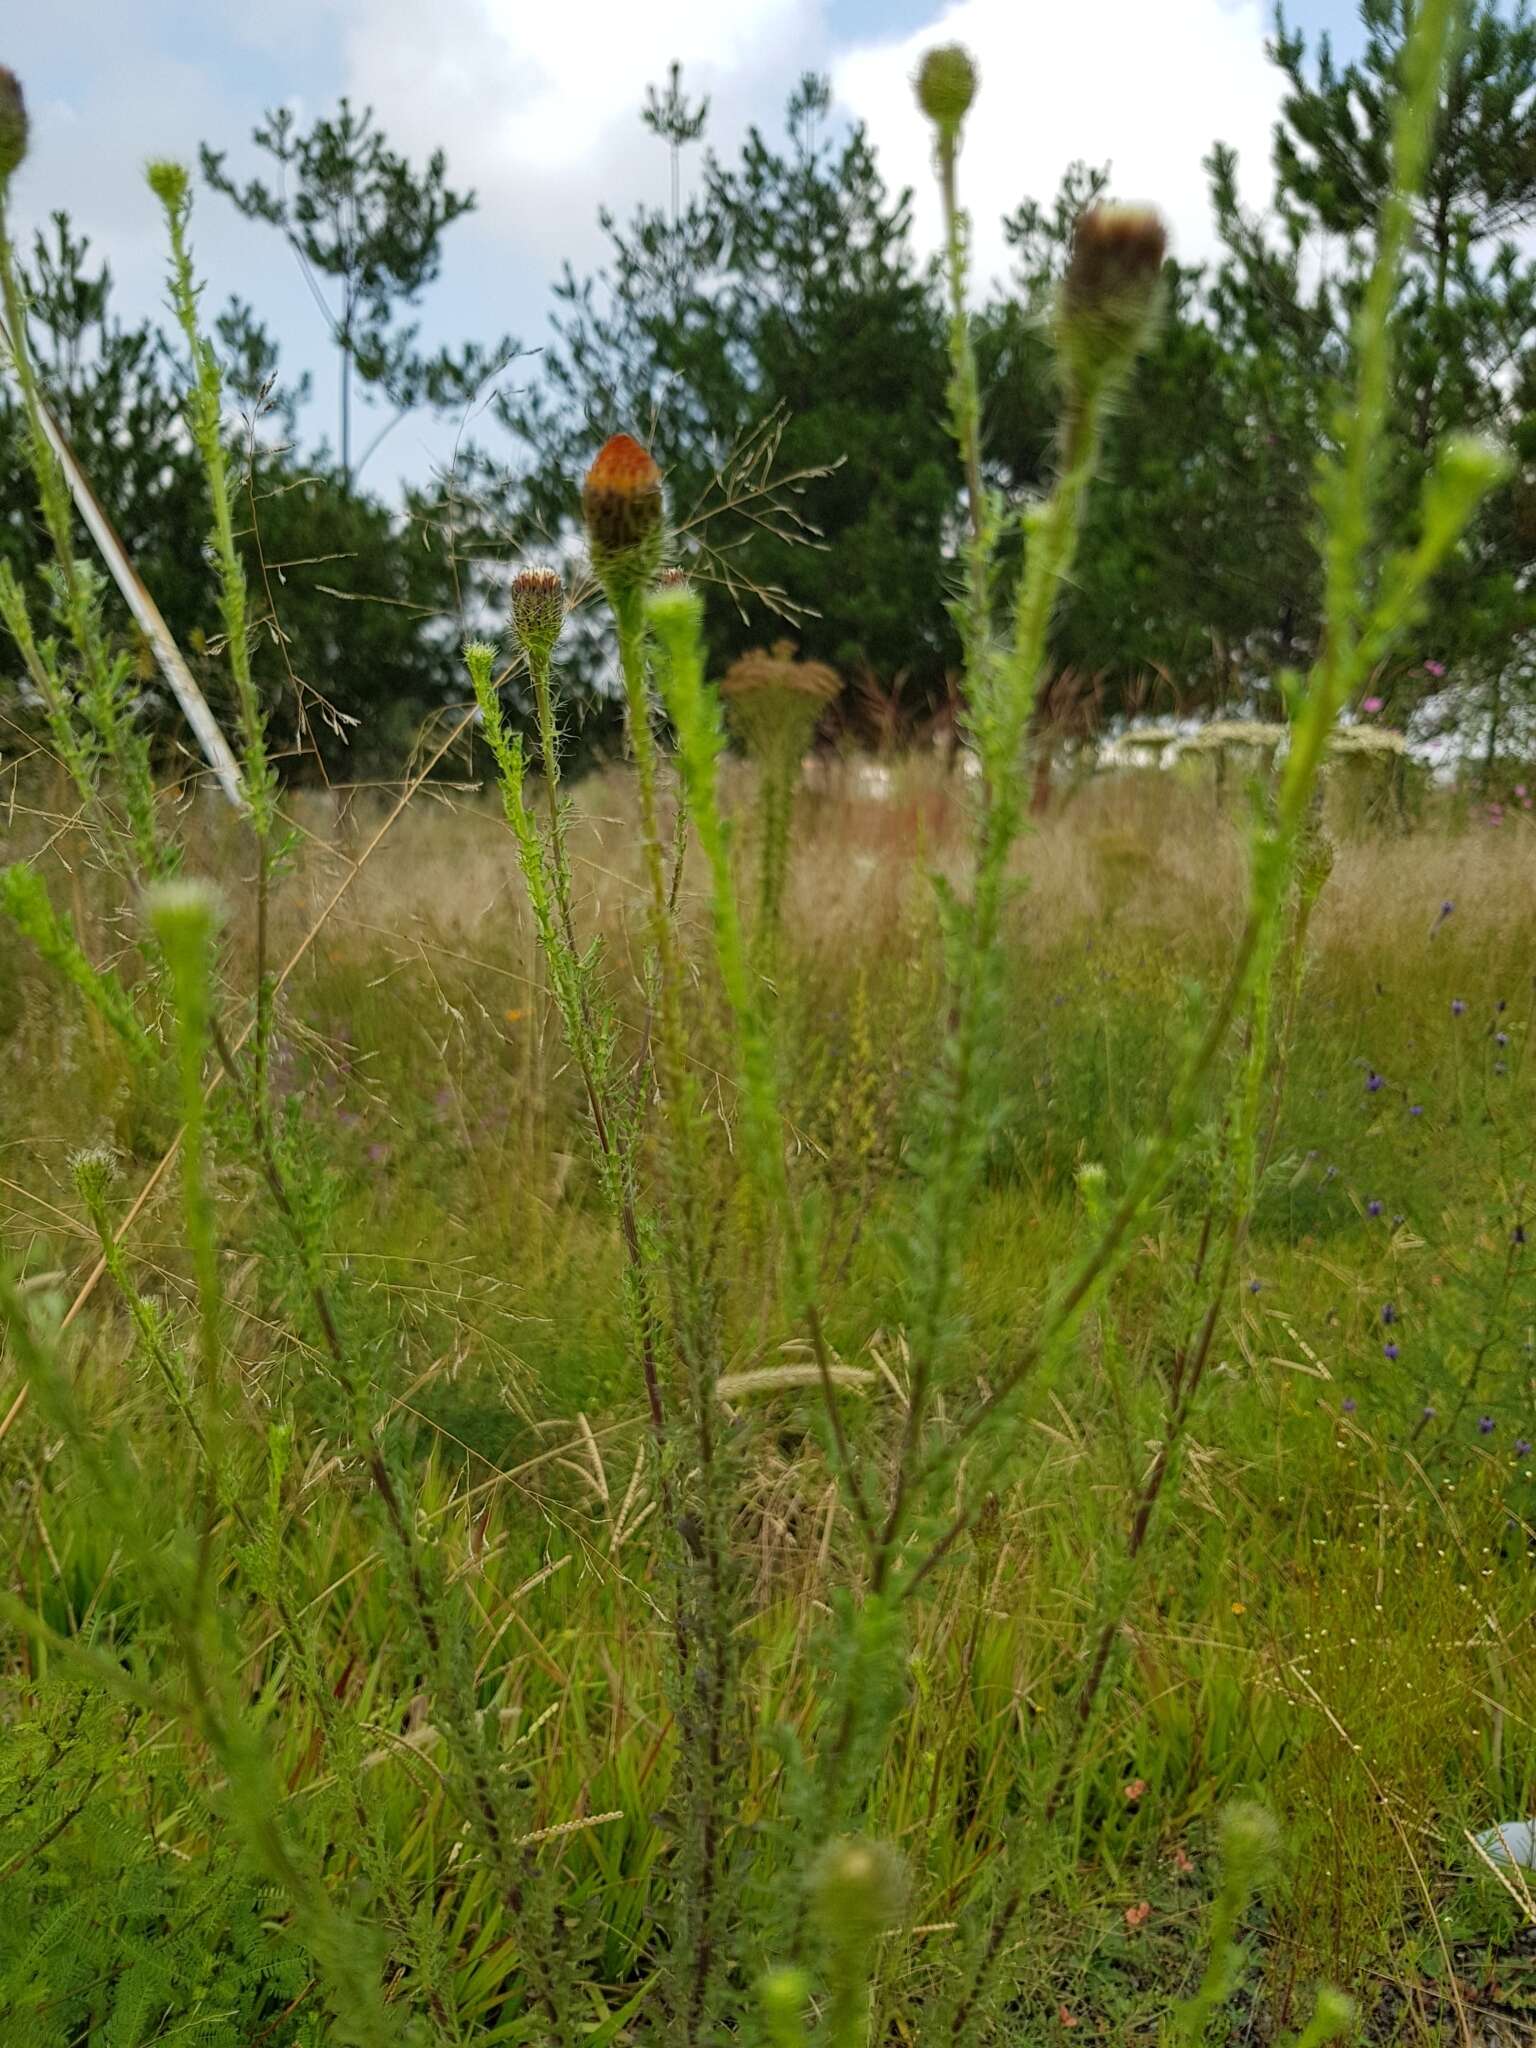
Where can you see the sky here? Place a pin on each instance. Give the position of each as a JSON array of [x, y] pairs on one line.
[[536, 107]]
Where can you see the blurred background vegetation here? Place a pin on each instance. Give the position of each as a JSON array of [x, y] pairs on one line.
[[777, 339]]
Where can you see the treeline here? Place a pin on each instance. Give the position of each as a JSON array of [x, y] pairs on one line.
[[772, 334]]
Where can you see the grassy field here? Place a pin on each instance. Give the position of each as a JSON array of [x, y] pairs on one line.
[[1335, 1615]]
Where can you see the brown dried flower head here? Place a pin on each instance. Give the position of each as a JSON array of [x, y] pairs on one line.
[[773, 701], [621, 504], [1110, 291], [13, 123], [538, 609]]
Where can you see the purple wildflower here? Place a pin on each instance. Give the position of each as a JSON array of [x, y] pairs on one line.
[[1389, 1351], [1485, 1425], [1349, 1404], [1522, 1447], [1373, 1207], [1388, 1312], [1435, 669], [1254, 1286], [1458, 1007], [1372, 1082], [1429, 1414], [1416, 1109], [1501, 1038]]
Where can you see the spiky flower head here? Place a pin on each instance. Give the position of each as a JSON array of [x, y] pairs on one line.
[[621, 504], [1334, 2014], [169, 181], [184, 910], [13, 123], [1250, 1841], [946, 86], [773, 702], [538, 610], [858, 1886], [672, 578], [1109, 294], [93, 1172]]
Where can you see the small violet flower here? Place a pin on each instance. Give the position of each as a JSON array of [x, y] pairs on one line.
[[1416, 1109], [1389, 1351], [1370, 705], [1349, 1404], [1485, 1425], [1372, 1083], [1522, 1447], [1373, 1208], [1458, 1007], [1388, 1312]]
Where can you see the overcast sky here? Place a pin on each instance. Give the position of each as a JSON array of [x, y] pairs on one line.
[[537, 109]]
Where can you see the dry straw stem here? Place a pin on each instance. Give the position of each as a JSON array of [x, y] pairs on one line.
[[156, 1178]]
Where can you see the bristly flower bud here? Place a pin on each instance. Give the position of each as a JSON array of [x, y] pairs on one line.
[[1110, 290], [858, 1886], [672, 578], [93, 1172], [169, 181], [621, 504], [13, 123], [946, 86], [538, 611]]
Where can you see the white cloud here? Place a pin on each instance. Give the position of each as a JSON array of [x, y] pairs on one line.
[[1144, 85], [538, 108]]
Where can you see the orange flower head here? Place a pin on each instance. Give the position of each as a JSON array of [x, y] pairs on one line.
[[621, 504]]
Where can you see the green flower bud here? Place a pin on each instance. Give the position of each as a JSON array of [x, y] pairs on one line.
[[169, 182], [184, 912], [1250, 1841], [13, 123], [858, 1887], [1334, 2014], [93, 1172], [784, 1995], [946, 86], [538, 610]]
